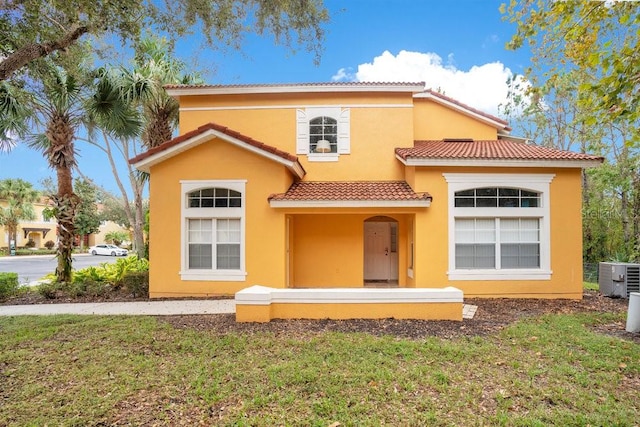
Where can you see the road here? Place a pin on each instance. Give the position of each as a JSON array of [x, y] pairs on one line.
[[32, 268]]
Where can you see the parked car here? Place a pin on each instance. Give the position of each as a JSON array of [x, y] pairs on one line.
[[112, 250]]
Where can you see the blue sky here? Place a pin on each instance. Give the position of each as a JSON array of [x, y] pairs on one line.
[[456, 45]]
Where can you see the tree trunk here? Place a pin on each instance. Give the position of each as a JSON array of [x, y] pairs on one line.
[[61, 157], [65, 203], [138, 227]]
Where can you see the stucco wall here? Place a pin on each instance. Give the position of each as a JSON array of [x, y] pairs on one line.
[[434, 121], [432, 244], [265, 228]]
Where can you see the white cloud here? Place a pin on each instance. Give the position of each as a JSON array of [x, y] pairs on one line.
[[482, 86]]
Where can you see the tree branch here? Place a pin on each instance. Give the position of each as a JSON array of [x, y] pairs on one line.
[[28, 53]]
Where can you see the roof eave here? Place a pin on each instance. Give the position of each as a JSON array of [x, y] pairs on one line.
[[145, 164], [425, 203], [582, 164], [311, 88]]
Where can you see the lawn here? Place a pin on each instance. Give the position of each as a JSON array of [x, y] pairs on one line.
[[548, 370]]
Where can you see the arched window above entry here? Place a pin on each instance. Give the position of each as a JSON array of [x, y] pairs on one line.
[[497, 197]]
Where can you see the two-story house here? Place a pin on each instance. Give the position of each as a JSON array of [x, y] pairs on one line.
[[346, 185]]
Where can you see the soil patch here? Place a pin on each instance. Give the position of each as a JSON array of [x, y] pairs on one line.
[[493, 314]]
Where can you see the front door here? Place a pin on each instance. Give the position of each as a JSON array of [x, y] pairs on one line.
[[377, 239]]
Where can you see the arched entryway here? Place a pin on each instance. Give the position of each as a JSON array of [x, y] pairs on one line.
[[380, 251]]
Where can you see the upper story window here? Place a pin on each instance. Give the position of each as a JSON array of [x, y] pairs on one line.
[[323, 133], [492, 197]]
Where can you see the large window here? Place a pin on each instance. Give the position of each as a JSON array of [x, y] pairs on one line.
[[323, 133], [497, 243], [499, 226], [213, 233]]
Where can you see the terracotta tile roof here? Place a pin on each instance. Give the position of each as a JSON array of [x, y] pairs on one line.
[[351, 191], [300, 85], [487, 150], [466, 107], [219, 128]]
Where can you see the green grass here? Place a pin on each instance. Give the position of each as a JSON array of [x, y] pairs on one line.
[[74, 370], [589, 286]]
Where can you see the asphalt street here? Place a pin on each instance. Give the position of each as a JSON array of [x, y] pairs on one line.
[[33, 268]]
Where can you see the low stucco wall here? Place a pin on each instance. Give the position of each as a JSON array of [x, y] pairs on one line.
[[261, 304]]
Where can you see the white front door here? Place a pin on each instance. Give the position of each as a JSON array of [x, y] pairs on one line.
[[377, 239]]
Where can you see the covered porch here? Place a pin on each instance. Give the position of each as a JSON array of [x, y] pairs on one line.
[[349, 234]]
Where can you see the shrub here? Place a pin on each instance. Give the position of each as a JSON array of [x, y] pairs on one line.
[[89, 287], [30, 244], [8, 285], [49, 244], [51, 288], [137, 282]]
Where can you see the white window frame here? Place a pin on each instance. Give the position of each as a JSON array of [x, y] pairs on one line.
[[539, 183], [303, 118], [188, 213]]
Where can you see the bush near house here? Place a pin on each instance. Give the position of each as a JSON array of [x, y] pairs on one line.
[[8, 285], [130, 274], [49, 244]]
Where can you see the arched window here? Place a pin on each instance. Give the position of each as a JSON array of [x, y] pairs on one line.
[[213, 213], [215, 198], [323, 135], [497, 197], [498, 226]]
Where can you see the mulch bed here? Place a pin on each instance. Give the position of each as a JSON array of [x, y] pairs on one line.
[[492, 316]]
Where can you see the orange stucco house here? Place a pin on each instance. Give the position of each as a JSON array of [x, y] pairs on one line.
[[358, 185]]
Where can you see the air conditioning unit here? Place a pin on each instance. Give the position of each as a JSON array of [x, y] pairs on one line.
[[618, 279]]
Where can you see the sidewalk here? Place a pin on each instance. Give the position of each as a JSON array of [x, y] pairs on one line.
[[143, 308]]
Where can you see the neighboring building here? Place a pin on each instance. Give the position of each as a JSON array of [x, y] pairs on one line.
[[41, 230], [358, 184]]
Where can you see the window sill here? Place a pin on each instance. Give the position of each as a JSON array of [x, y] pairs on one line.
[[213, 276], [323, 157], [499, 275]]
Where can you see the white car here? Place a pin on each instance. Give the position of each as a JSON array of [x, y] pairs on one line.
[[112, 250]]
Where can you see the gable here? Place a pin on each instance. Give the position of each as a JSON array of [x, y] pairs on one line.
[[211, 131]]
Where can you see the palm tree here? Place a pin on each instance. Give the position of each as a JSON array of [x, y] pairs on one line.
[[19, 197], [131, 103], [13, 115], [60, 105]]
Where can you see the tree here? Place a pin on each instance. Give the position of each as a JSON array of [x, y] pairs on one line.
[[116, 237], [132, 102], [87, 220], [60, 110], [599, 39], [33, 29], [585, 86], [19, 197]]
